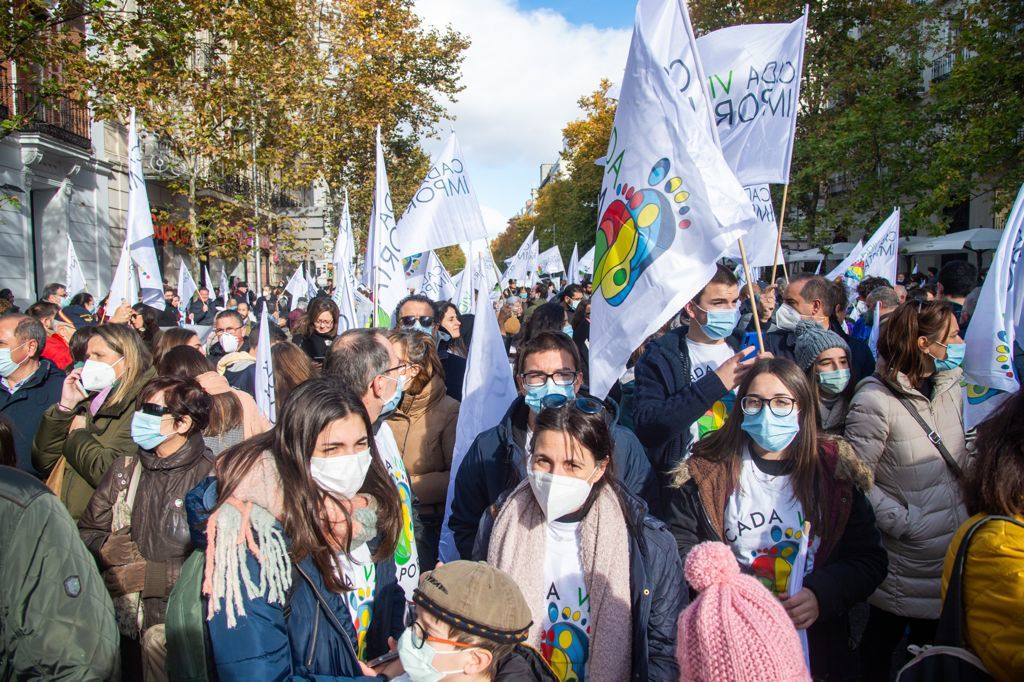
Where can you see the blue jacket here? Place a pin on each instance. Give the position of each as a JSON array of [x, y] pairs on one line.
[[311, 636], [496, 462], [667, 402], [25, 409], [657, 590]]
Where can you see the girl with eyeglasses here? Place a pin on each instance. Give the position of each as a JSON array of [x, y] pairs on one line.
[[755, 482], [135, 523], [300, 546], [598, 572], [906, 424]]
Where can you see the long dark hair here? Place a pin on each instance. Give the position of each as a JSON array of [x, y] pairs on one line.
[[307, 412], [994, 481], [807, 475], [150, 331], [897, 343], [307, 323], [456, 346]]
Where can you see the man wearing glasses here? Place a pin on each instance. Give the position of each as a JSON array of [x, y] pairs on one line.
[[547, 371], [416, 313], [229, 341]]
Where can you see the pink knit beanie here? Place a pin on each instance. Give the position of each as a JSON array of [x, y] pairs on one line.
[[735, 629]]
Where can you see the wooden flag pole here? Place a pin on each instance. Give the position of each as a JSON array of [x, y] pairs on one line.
[[778, 237], [750, 292]]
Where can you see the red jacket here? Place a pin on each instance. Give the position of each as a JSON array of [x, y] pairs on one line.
[[57, 351]]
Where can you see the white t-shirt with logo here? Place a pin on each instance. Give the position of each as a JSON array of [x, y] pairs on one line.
[[764, 523], [565, 642], [704, 359], [361, 573]]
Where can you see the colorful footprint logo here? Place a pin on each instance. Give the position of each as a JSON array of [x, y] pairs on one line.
[[856, 271], [773, 565], [637, 227], [403, 551], [565, 643]]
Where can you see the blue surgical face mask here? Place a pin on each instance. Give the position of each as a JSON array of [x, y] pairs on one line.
[[574, 304], [146, 430], [567, 330], [524, 296], [392, 404], [954, 356], [835, 381], [419, 663], [536, 394], [770, 432], [720, 323], [7, 365]]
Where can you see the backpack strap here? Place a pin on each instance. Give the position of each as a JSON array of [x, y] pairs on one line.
[[931, 433], [950, 631]]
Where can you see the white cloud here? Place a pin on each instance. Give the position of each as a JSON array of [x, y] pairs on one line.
[[524, 72]]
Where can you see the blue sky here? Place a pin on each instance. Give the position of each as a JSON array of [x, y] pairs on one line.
[[528, 64]]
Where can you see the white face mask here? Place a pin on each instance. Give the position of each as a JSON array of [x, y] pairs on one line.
[[343, 475], [229, 342], [98, 375], [787, 317], [559, 495]]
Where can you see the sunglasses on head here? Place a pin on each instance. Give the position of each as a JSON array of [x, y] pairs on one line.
[[154, 409], [410, 320], [583, 403]]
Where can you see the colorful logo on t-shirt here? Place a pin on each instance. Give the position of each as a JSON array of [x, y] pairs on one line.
[[773, 565], [565, 643], [360, 605], [714, 418]]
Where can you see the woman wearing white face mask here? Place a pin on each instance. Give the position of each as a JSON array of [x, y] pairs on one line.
[[600, 575], [824, 357], [315, 493], [90, 427]]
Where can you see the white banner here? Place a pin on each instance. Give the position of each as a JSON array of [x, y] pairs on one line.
[[345, 247], [73, 275], [186, 286], [343, 297], [444, 210], [123, 289], [574, 266], [753, 79], [670, 206], [550, 261], [437, 283], [140, 225], [415, 266], [384, 258], [266, 399], [881, 253], [997, 325], [759, 242], [851, 258], [519, 267], [587, 263], [297, 287]]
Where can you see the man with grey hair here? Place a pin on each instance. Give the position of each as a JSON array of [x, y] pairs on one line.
[[886, 298], [29, 384]]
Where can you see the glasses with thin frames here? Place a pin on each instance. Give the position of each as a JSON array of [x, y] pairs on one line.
[[780, 406], [561, 377]]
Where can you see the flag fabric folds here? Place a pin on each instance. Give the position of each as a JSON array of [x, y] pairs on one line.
[[444, 210], [521, 263], [464, 293], [225, 288], [550, 261], [669, 207], [997, 325], [265, 396], [436, 283], [881, 253], [759, 242], [573, 276], [851, 258], [186, 285], [383, 256], [297, 287], [123, 288], [140, 225], [487, 391], [74, 276]]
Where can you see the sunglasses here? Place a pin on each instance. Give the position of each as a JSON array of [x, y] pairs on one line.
[[154, 409], [411, 320]]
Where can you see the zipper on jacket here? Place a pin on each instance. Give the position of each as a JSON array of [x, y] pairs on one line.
[[312, 643]]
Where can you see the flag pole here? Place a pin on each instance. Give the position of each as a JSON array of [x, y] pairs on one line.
[[750, 292], [778, 237]]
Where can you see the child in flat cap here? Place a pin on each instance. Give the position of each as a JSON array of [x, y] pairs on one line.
[[471, 622]]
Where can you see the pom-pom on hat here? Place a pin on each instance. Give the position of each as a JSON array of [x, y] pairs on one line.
[[735, 629]]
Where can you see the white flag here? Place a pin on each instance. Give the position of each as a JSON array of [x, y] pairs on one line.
[[759, 242], [312, 288], [914, 271], [123, 287], [875, 330], [487, 391], [444, 210], [225, 288], [997, 325], [573, 276], [344, 299], [550, 261], [817, 269], [851, 258], [753, 78], [186, 286], [464, 294], [74, 275], [384, 258], [437, 283], [587, 263], [881, 253], [207, 280], [344, 245], [669, 206], [265, 395], [140, 225], [519, 267], [415, 267], [297, 287]]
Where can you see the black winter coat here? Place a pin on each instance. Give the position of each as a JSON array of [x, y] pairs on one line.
[[25, 409], [656, 588]]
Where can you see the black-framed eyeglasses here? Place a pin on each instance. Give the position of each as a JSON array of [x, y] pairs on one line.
[[780, 406], [154, 410], [411, 320], [584, 403], [397, 367], [561, 377]]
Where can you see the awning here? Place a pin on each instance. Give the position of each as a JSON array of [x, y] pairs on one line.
[[837, 251], [977, 239]]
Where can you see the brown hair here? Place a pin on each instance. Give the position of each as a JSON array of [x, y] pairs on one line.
[[994, 480], [172, 338], [183, 397], [727, 443], [306, 325], [545, 341], [897, 344], [186, 361], [291, 368], [418, 350], [723, 275], [589, 430], [316, 404]]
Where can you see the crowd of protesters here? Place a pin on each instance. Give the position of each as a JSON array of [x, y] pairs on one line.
[[790, 509]]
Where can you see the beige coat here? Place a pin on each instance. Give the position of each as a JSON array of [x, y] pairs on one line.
[[916, 498], [424, 428]]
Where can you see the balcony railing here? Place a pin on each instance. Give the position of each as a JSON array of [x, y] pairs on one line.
[[54, 115]]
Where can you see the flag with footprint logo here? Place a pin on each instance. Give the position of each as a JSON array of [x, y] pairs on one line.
[[996, 326], [669, 207], [407, 559]]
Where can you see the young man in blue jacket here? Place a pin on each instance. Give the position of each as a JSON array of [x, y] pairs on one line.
[[497, 459], [685, 379]]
